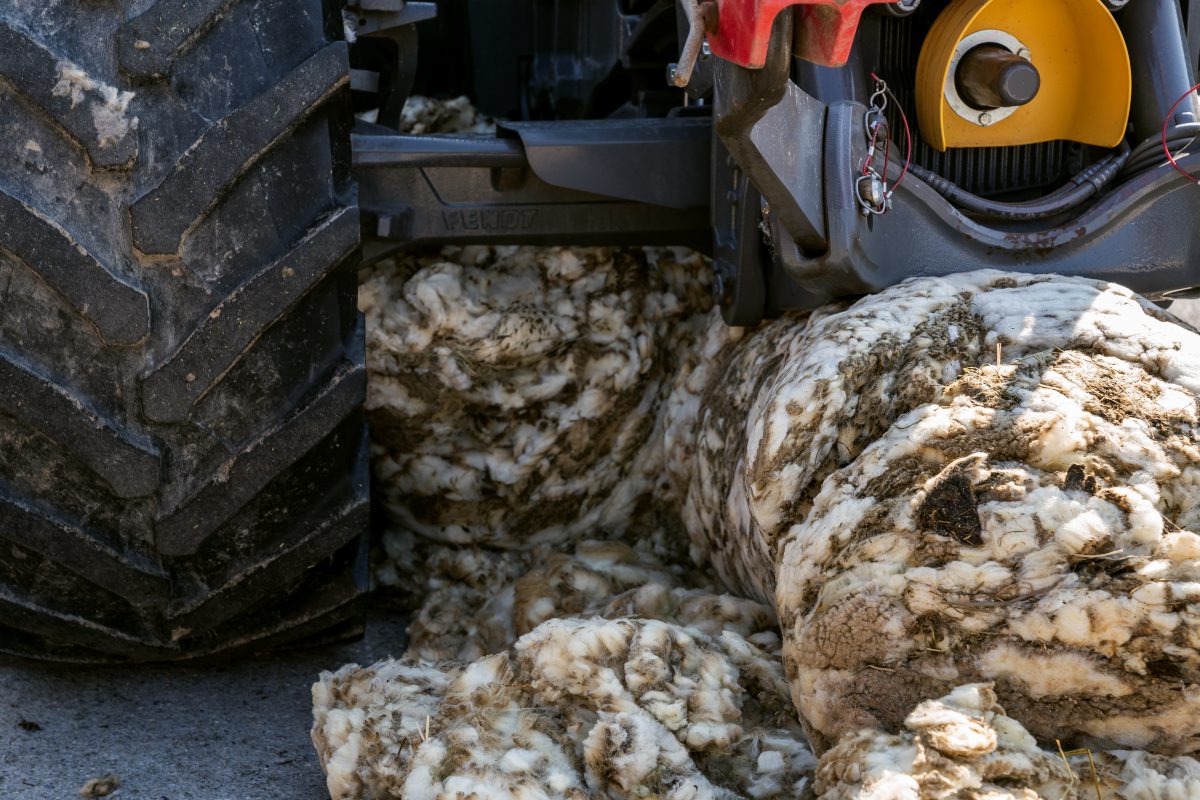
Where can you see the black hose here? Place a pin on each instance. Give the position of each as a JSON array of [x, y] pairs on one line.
[[1082, 187], [1150, 154]]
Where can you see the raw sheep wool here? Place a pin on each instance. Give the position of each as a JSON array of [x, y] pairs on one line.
[[963, 746], [426, 115], [981, 479], [928, 514], [757, 422], [514, 392], [459, 597], [576, 709], [475, 601], [966, 504]]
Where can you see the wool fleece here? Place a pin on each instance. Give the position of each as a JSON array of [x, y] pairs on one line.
[[514, 391], [577, 708], [983, 478], [963, 746]]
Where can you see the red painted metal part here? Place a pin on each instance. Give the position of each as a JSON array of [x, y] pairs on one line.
[[824, 29]]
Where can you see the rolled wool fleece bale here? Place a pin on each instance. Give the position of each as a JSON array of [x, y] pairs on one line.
[[1032, 525], [576, 709], [963, 745], [513, 391], [923, 517], [757, 421]]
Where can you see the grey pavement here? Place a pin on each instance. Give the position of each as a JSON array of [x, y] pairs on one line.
[[236, 731], [1188, 311]]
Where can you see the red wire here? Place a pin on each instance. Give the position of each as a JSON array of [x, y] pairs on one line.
[[887, 155], [1166, 148], [907, 141], [908, 132]]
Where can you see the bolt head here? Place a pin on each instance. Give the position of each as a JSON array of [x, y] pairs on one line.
[[985, 118]]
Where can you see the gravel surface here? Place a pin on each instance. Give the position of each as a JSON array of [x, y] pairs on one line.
[[236, 731]]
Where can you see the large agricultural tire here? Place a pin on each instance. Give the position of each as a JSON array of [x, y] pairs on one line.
[[182, 448]]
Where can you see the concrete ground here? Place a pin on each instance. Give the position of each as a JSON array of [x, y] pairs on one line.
[[237, 731], [1188, 311]]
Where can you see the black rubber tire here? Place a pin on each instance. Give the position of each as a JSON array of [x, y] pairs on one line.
[[182, 448]]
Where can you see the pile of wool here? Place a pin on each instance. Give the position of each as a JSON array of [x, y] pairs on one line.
[[514, 397], [516, 400], [963, 745], [475, 601], [926, 513], [427, 115], [576, 709], [514, 392], [981, 479]]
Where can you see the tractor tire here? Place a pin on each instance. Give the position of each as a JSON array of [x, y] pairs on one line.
[[183, 458]]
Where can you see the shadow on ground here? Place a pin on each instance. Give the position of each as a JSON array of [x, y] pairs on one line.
[[236, 731]]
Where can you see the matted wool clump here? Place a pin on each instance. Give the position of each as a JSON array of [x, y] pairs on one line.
[[758, 421], [426, 115], [475, 601], [931, 518], [576, 709], [514, 392], [963, 746]]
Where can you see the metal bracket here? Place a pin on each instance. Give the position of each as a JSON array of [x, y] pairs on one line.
[[383, 53], [738, 281], [776, 133], [825, 29], [555, 183], [377, 17], [631, 159]]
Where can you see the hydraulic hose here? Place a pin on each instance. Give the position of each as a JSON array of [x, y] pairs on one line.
[[1149, 153], [1082, 187]]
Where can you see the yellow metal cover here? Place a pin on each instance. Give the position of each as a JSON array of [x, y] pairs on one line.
[[1078, 51]]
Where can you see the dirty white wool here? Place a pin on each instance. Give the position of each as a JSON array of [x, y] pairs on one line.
[[964, 746], [474, 601], [920, 515], [642, 708], [109, 105], [926, 518], [426, 115], [576, 708], [514, 392]]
